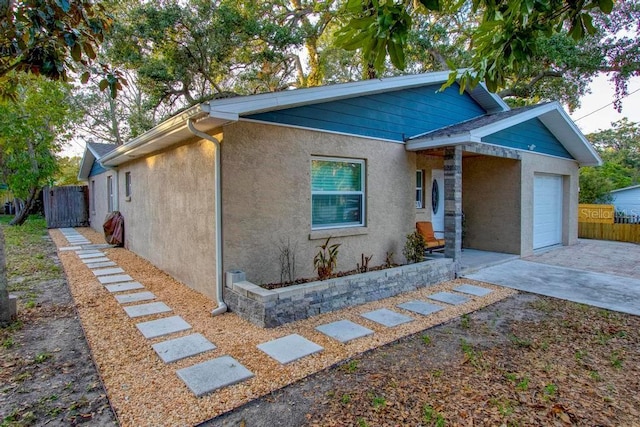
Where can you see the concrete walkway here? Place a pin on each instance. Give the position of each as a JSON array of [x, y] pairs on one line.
[[614, 292]]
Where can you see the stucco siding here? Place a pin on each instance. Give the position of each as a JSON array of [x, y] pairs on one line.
[[169, 219], [267, 199], [491, 204], [533, 164]]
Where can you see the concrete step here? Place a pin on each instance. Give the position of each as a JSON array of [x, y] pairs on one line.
[[183, 347], [207, 377], [290, 348], [344, 330]]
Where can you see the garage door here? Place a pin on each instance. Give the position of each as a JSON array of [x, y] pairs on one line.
[[547, 211]]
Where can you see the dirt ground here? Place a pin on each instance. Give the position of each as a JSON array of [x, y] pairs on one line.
[[47, 375], [524, 361]]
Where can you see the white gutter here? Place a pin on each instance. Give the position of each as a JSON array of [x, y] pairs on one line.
[[222, 307]]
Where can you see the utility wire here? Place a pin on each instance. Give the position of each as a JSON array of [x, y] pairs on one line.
[[605, 106]]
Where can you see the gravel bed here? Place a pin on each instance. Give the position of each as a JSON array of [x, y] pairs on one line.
[[144, 391]]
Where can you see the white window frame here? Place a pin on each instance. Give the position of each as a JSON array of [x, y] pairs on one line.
[[127, 185], [362, 192], [420, 189], [110, 194]]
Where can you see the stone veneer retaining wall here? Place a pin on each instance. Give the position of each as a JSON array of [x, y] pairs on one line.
[[270, 308]]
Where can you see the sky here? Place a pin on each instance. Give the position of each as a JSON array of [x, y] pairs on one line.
[[595, 113], [591, 118]]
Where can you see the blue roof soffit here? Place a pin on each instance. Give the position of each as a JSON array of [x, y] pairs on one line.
[[543, 129]]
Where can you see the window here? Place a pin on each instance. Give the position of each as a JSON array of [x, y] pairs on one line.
[[110, 193], [93, 195], [127, 185], [419, 189], [337, 193]]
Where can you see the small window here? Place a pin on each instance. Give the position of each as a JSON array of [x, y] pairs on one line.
[[419, 189], [110, 203], [435, 196], [337, 193], [93, 196], [127, 184]]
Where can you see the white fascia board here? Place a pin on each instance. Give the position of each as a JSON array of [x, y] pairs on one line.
[[85, 165], [164, 129], [446, 141], [625, 189]]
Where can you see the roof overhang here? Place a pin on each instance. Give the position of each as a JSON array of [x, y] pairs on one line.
[[90, 155], [552, 115], [215, 114]]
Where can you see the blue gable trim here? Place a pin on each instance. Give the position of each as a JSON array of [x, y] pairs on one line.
[[523, 135], [96, 169], [390, 115]]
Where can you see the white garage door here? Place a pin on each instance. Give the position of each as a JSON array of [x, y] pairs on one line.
[[547, 211]]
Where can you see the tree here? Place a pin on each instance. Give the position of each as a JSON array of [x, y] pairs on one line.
[[31, 130], [619, 148], [502, 41], [53, 38], [68, 170]]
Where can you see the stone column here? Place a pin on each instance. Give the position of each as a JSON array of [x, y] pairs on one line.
[[453, 203]]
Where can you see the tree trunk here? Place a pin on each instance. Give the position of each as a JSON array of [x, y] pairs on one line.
[[5, 308], [23, 214]]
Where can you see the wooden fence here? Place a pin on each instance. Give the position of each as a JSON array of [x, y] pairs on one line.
[[602, 223], [66, 206]]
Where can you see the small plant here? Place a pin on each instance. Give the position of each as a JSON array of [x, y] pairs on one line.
[[523, 385], [426, 339], [378, 402], [465, 321], [580, 354], [287, 258], [388, 260], [595, 375], [42, 357], [30, 304], [616, 360], [362, 423], [433, 417], [520, 342], [8, 343], [363, 267], [472, 356], [326, 259], [511, 377], [414, 248], [346, 399], [351, 367], [550, 390]]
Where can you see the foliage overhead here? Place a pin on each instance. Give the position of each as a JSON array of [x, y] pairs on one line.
[[53, 38]]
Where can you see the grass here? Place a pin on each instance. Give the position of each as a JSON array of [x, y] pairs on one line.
[[432, 417], [351, 366]]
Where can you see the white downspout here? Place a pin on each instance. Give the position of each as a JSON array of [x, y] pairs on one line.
[[222, 307]]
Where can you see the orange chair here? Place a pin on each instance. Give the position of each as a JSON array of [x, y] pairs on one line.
[[425, 228]]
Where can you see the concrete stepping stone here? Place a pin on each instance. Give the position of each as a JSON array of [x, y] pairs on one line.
[[164, 326], [386, 317], [136, 297], [126, 286], [183, 347], [289, 348], [344, 330], [107, 271], [101, 264], [91, 255], [115, 279], [478, 291], [69, 248], [147, 309], [421, 307], [92, 260], [449, 298], [88, 251], [207, 377]]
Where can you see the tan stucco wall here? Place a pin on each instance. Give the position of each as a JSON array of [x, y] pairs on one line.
[[98, 213], [491, 204], [532, 164], [267, 198], [427, 163], [169, 219]]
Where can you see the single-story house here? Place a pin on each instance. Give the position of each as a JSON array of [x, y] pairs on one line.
[[227, 184], [627, 200]]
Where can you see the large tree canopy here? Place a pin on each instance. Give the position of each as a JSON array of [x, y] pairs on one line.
[[53, 38]]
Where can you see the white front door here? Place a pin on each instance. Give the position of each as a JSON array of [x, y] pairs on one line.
[[547, 211], [436, 201]]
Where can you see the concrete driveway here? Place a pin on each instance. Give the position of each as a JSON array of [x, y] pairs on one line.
[[598, 273]]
